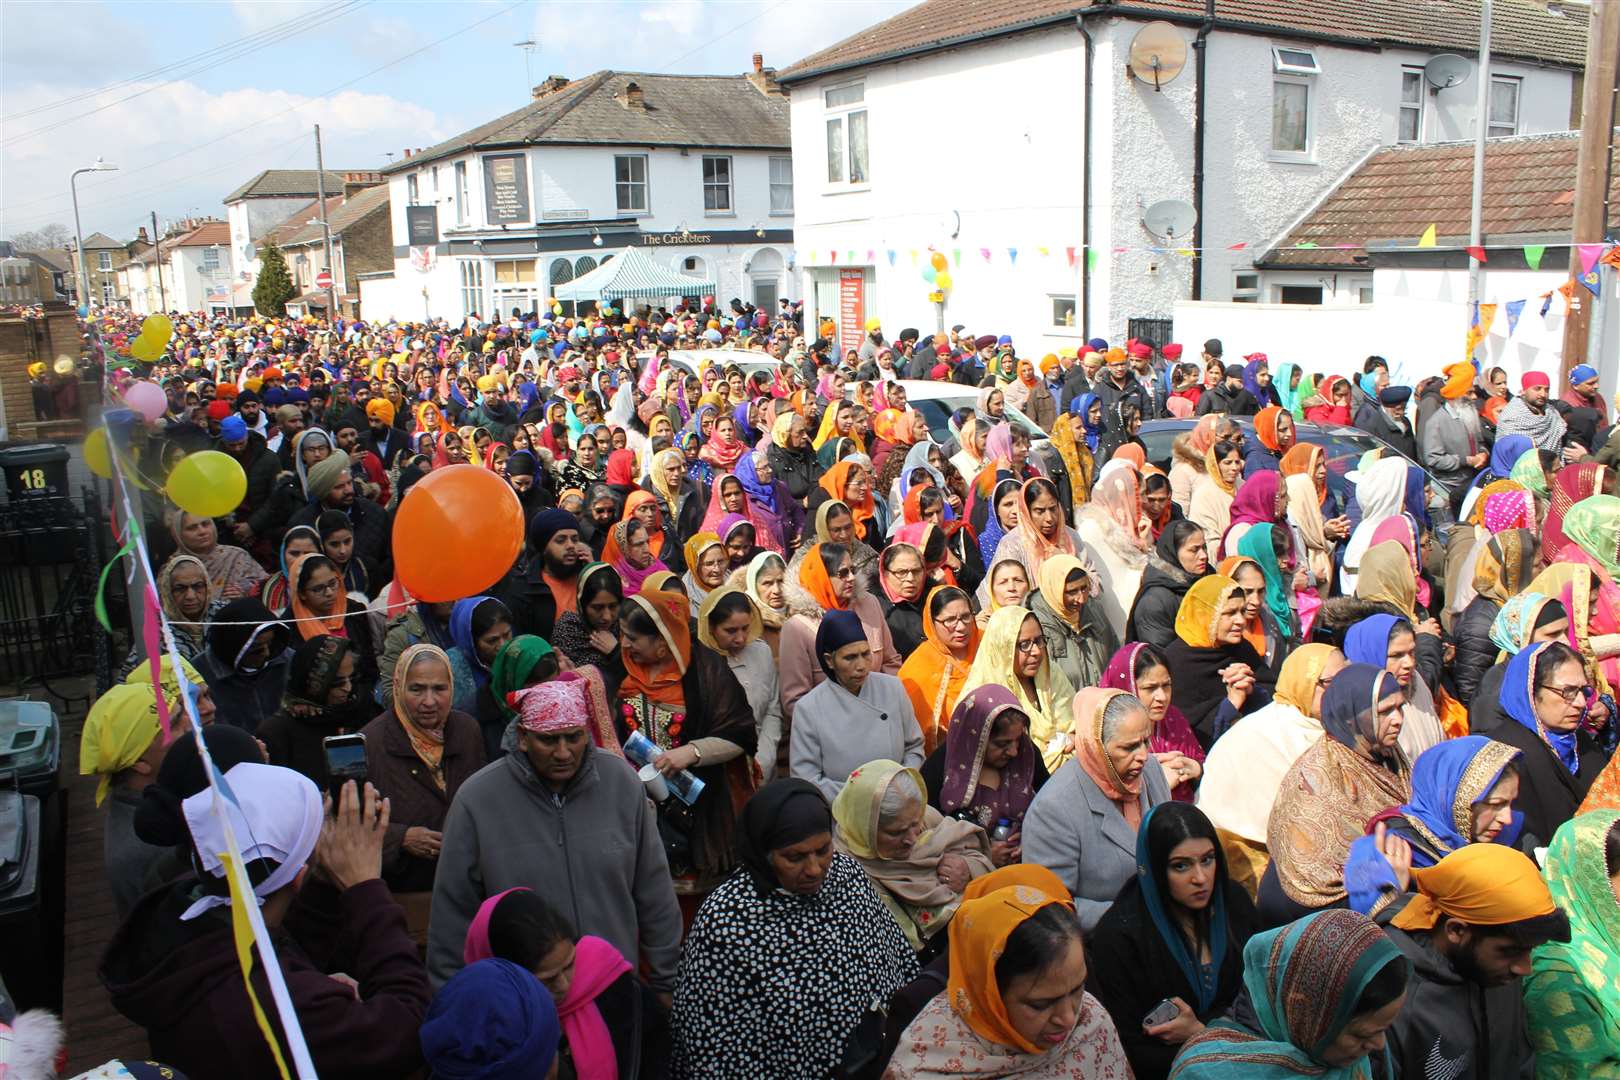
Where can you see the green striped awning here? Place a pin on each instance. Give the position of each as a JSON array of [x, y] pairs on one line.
[[632, 275]]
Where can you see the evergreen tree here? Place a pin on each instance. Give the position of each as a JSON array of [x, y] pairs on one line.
[[274, 287]]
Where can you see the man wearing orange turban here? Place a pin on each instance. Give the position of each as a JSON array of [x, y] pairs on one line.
[[1453, 443]]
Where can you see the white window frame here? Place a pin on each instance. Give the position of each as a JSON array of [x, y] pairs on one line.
[[1365, 294], [783, 162], [1245, 292], [622, 187], [1497, 130], [210, 259], [839, 117], [461, 197], [1278, 287], [1307, 156], [1294, 60], [1420, 106], [412, 190], [1073, 302], [104, 261], [108, 292], [730, 209], [472, 286]]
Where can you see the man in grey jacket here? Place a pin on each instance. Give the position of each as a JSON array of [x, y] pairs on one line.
[[1468, 932], [1453, 445], [568, 820]]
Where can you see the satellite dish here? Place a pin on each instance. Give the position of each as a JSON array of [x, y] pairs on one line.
[[1446, 70], [1158, 53], [1171, 219], [249, 252]]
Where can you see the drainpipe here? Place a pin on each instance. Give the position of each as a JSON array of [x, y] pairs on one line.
[[1201, 49], [1085, 206]]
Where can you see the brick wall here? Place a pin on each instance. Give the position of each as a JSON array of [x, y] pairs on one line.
[[368, 248], [24, 341]]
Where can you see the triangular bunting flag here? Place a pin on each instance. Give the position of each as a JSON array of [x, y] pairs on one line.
[[1428, 238], [1611, 257], [1012, 256], [985, 254], [812, 256], [1477, 253], [956, 257], [871, 256], [1044, 251], [1092, 258], [1515, 308], [913, 256], [892, 254], [1590, 280], [1304, 245], [1567, 291], [1070, 252], [1533, 254], [1238, 246], [1590, 254], [1546, 303], [1487, 316]]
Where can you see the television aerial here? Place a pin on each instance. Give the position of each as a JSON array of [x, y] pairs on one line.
[[1158, 54], [1170, 219], [1446, 70]]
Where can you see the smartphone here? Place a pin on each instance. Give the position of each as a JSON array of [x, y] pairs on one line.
[[345, 760], [1164, 1012]]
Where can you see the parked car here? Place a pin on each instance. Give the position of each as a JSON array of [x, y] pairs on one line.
[[687, 360], [1343, 446], [938, 400]]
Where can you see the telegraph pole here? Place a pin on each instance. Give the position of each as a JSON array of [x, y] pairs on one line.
[[1482, 109], [326, 229], [1592, 169], [157, 262]]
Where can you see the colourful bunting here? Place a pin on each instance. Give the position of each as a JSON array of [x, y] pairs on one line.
[[1238, 246], [892, 254], [1612, 257], [1477, 253], [956, 257], [1533, 254], [1093, 256], [1012, 256], [1590, 280], [1070, 252], [1546, 303], [985, 254], [1590, 254], [1427, 240], [1515, 308]]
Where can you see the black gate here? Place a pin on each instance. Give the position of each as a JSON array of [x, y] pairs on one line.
[[1156, 332], [51, 554]]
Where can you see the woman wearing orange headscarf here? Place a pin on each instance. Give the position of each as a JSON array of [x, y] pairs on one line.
[[850, 482], [643, 504], [682, 696], [935, 673], [891, 428]]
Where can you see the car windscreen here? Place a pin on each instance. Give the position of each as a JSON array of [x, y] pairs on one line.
[[938, 411]]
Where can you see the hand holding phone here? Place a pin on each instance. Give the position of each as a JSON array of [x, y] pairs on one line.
[[1164, 1012], [345, 760]]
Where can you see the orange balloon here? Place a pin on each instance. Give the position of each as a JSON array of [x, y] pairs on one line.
[[458, 532]]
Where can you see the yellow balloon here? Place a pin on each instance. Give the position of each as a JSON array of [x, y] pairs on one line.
[[97, 454], [208, 483], [159, 328], [942, 282], [144, 348]]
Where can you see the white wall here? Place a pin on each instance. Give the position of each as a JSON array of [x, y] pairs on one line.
[[1417, 321], [950, 134]]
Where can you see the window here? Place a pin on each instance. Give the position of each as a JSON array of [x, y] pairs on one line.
[[1287, 61], [1364, 294], [512, 271], [104, 260], [410, 190], [630, 183], [1063, 311], [846, 134], [1290, 118], [1245, 287], [562, 272], [107, 294], [1409, 128], [1504, 114], [210, 259], [716, 185], [435, 183], [472, 274], [583, 265], [781, 185], [461, 201], [1299, 294]]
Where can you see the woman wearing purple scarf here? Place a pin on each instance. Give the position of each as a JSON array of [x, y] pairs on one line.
[[1142, 670]]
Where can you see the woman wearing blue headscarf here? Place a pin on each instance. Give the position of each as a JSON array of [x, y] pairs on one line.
[[1463, 792], [1415, 660], [1088, 407], [494, 1021], [479, 626], [1546, 694], [1176, 931], [1264, 393]]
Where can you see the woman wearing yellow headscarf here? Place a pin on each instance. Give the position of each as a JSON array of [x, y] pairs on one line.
[[1218, 674], [1013, 654]]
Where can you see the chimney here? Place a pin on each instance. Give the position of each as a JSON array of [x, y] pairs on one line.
[[631, 97], [764, 78], [552, 84], [140, 234], [407, 153]]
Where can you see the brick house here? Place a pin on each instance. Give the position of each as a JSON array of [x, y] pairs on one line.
[[361, 244]]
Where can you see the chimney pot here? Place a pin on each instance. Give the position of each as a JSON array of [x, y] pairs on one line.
[[759, 61], [631, 97]]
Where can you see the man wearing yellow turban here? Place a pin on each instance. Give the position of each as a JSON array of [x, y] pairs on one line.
[[123, 744]]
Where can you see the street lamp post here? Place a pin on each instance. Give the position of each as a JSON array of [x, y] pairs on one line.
[[78, 230]]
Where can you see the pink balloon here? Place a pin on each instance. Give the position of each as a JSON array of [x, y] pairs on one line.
[[148, 399]]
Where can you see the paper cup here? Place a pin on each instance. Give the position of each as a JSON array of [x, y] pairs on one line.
[[657, 790]]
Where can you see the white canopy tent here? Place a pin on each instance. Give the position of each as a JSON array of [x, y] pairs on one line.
[[632, 275]]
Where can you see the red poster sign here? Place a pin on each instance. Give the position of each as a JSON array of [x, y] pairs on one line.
[[851, 309]]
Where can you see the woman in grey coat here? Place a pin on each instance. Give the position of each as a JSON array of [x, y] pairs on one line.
[[1082, 825]]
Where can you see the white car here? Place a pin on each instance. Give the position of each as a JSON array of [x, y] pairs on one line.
[[937, 401], [750, 360]]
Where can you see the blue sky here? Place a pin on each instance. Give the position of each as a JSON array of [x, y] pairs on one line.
[[185, 134]]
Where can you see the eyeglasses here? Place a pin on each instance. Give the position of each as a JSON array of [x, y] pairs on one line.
[[327, 589], [906, 572], [1031, 645], [1570, 693], [846, 572], [955, 620]]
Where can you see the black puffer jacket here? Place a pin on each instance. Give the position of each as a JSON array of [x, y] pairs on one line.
[[798, 469], [1153, 615], [1476, 652]]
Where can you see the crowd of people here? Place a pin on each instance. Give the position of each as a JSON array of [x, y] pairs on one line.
[[804, 739]]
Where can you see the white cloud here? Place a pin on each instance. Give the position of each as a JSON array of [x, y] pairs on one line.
[[254, 130], [256, 15]]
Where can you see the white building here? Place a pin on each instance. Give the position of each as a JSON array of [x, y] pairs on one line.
[[694, 167], [1014, 138], [195, 271], [265, 202], [1326, 307]]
